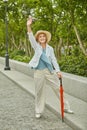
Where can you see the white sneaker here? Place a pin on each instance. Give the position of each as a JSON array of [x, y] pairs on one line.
[[67, 108], [37, 115], [68, 111]]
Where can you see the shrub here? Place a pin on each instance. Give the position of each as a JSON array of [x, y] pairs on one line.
[[16, 52], [2, 53], [22, 58], [74, 64]]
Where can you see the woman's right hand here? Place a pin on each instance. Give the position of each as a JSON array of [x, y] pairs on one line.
[[29, 21]]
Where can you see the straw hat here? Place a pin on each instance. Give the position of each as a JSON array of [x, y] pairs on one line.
[[48, 34]]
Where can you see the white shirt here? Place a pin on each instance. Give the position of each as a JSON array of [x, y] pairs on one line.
[[38, 51]]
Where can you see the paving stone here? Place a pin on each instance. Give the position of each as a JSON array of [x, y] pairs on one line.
[[17, 110]]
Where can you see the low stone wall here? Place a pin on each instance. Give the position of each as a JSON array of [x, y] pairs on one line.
[[73, 85], [19, 66]]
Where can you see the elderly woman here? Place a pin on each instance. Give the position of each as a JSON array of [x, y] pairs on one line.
[[46, 68]]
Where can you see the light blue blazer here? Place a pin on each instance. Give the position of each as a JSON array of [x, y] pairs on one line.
[[38, 51]]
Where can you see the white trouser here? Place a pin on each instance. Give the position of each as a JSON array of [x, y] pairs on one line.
[[40, 78]]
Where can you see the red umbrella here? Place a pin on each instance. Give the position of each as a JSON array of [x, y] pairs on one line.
[[61, 99]]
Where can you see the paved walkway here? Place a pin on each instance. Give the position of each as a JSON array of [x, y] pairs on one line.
[[17, 110], [78, 120]]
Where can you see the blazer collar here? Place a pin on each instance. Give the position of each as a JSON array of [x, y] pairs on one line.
[[47, 48]]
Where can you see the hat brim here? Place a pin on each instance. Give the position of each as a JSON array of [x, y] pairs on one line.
[[48, 35]]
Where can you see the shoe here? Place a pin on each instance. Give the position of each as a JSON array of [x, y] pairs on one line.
[[68, 111], [38, 115]]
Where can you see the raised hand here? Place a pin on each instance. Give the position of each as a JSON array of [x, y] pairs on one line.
[[59, 74], [29, 21]]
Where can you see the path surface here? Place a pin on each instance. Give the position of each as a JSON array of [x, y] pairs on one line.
[[17, 110]]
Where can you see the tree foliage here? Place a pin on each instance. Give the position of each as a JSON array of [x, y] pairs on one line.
[[65, 19]]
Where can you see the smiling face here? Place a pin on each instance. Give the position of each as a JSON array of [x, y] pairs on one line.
[[42, 39]]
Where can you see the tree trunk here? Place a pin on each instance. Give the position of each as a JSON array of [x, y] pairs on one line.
[[26, 46], [79, 41], [13, 44], [59, 47]]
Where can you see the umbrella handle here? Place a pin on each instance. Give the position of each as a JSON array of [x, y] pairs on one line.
[[60, 81]]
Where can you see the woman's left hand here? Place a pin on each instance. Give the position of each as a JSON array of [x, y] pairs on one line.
[[59, 74]]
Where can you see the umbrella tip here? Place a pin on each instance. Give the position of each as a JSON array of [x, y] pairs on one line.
[[62, 119]]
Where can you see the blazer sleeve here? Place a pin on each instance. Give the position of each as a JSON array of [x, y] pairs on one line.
[[54, 61], [32, 40]]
